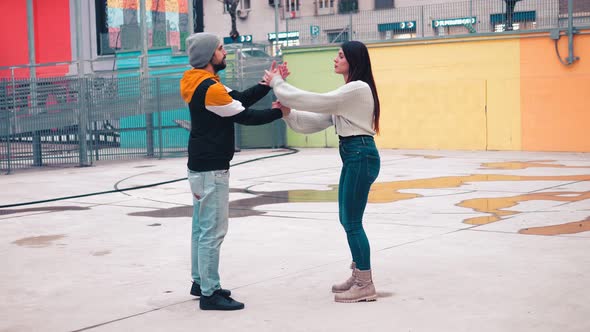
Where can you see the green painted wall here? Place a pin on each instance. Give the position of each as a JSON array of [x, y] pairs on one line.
[[313, 70]]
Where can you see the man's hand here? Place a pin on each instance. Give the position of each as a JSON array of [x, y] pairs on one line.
[[286, 110], [273, 68]]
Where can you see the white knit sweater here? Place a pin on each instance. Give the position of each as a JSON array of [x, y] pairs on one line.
[[349, 108]]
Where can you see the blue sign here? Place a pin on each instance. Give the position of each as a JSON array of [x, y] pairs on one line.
[[314, 30]]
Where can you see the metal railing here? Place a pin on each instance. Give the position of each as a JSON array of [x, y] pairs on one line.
[[436, 20], [75, 121]]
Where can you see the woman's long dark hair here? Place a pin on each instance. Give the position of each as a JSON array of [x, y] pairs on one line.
[[359, 69]]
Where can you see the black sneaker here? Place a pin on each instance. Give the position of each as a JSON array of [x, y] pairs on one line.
[[196, 290], [219, 302]]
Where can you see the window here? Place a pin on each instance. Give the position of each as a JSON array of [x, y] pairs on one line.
[[118, 25], [381, 4], [325, 3], [339, 36], [245, 4], [516, 26], [291, 6], [347, 6], [324, 7], [520, 21]]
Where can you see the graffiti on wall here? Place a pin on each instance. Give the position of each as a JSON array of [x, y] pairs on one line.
[[166, 21]]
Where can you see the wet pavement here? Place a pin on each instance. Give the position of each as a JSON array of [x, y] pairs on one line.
[[460, 240]]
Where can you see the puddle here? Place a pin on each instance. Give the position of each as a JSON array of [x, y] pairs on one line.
[[569, 228], [496, 206], [389, 192], [43, 209], [38, 241], [175, 212], [242, 209], [101, 253], [425, 156], [527, 164]]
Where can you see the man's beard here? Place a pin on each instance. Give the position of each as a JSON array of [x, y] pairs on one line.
[[219, 66]]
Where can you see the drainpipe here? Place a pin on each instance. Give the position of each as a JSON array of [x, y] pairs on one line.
[[350, 22], [199, 20], [276, 46], [82, 102], [144, 80], [570, 32], [191, 18]]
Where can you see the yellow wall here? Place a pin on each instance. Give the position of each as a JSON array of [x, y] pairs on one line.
[[484, 93], [434, 96]]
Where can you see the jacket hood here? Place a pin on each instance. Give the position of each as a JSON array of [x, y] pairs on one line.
[[191, 80]]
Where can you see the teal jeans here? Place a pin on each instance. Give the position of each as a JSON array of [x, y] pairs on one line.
[[210, 192], [360, 168]]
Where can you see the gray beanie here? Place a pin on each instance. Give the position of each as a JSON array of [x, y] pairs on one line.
[[200, 48]]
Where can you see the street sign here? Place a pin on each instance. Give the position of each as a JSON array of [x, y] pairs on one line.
[[406, 26], [454, 22], [291, 35], [240, 39], [314, 30], [245, 39]]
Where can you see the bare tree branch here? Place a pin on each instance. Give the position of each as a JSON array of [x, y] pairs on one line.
[[232, 6]]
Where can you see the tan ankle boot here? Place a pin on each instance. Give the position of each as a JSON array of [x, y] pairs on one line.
[[343, 287], [361, 290]]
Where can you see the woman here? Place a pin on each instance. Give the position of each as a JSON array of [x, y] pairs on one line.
[[354, 110]]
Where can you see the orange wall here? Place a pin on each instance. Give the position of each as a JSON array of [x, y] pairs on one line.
[[555, 116]]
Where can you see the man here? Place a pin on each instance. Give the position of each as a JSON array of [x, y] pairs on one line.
[[213, 109]]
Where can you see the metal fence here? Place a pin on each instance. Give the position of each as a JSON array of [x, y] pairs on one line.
[[72, 120], [437, 20]]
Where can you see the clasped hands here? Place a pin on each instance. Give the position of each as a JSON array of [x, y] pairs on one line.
[[269, 74]]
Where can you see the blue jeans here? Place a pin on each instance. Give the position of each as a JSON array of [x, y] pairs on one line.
[[360, 168], [210, 192]]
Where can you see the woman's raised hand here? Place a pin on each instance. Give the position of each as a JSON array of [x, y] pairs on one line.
[[282, 70]]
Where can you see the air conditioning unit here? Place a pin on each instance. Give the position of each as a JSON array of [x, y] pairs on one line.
[[243, 13]]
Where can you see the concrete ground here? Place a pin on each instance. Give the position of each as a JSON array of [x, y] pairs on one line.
[[461, 241]]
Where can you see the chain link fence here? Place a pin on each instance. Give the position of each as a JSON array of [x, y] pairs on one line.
[[76, 121], [437, 20]]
